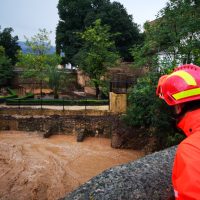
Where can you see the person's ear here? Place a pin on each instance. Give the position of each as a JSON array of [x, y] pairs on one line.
[[178, 108]]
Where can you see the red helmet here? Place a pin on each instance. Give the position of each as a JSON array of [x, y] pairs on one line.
[[182, 85]]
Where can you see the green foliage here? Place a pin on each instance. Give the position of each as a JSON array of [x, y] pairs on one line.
[[12, 94], [144, 57], [76, 16], [11, 91], [55, 77], [182, 26], [97, 54], [105, 88], [38, 64], [10, 44], [175, 32], [6, 69], [142, 102], [146, 110], [176, 138], [39, 44], [176, 35], [27, 96], [58, 102]]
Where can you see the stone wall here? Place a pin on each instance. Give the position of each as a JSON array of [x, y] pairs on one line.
[[29, 111], [148, 178], [96, 123]]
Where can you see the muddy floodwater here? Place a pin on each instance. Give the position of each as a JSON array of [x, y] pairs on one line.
[[32, 167]]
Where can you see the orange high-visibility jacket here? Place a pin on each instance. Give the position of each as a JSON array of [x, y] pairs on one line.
[[186, 170]]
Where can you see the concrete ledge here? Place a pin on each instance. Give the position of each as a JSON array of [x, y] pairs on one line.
[[56, 110], [148, 178]]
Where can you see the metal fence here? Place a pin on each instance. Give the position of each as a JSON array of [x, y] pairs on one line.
[[120, 87]]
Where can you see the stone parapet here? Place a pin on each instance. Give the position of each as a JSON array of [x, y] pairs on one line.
[[148, 178]]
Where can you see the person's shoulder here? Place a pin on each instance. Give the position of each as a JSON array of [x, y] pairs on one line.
[[191, 144]]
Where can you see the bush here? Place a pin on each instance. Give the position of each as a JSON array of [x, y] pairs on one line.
[[27, 96], [146, 110], [58, 102], [10, 96], [11, 91]]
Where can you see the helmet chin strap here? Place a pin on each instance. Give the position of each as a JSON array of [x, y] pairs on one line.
[[178, 108]]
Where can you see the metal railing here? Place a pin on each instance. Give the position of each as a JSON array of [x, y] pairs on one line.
[[120, 87]]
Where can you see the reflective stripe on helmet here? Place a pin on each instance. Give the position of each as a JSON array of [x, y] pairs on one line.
[[184, 75], [187, 93]]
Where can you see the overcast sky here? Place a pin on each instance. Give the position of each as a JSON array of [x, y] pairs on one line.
[[27, 16]]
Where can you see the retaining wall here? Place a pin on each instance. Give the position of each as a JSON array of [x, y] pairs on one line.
[[30, 111], [97, 125], [96, 122]]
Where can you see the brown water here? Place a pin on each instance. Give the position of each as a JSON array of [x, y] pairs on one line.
[[35, 168]]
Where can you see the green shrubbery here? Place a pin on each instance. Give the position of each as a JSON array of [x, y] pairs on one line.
[[27, 96], [12, 95], [11, 91], [146, 110], [28, 99], [56, 102], [165, 39]]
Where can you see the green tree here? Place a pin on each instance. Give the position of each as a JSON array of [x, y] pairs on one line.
[[175, 33], [6, 68], [115, 15], [40, 43], [76, 16], [10, 44], [55, 75], [147, 111], [38, 64], [72, 14], [181, 29], [97, 54]]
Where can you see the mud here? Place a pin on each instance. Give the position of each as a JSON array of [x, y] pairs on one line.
[[32, 167]]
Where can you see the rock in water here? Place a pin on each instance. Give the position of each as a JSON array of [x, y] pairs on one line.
[[80, 135]]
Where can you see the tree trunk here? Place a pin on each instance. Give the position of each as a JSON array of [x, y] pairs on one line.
[[189, 60], [97, 90], [41, 89], [55, 93]]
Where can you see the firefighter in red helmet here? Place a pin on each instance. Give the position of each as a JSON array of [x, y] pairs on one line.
[[181, 89]]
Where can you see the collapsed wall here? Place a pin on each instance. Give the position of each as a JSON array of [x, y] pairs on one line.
[[148, 178]]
